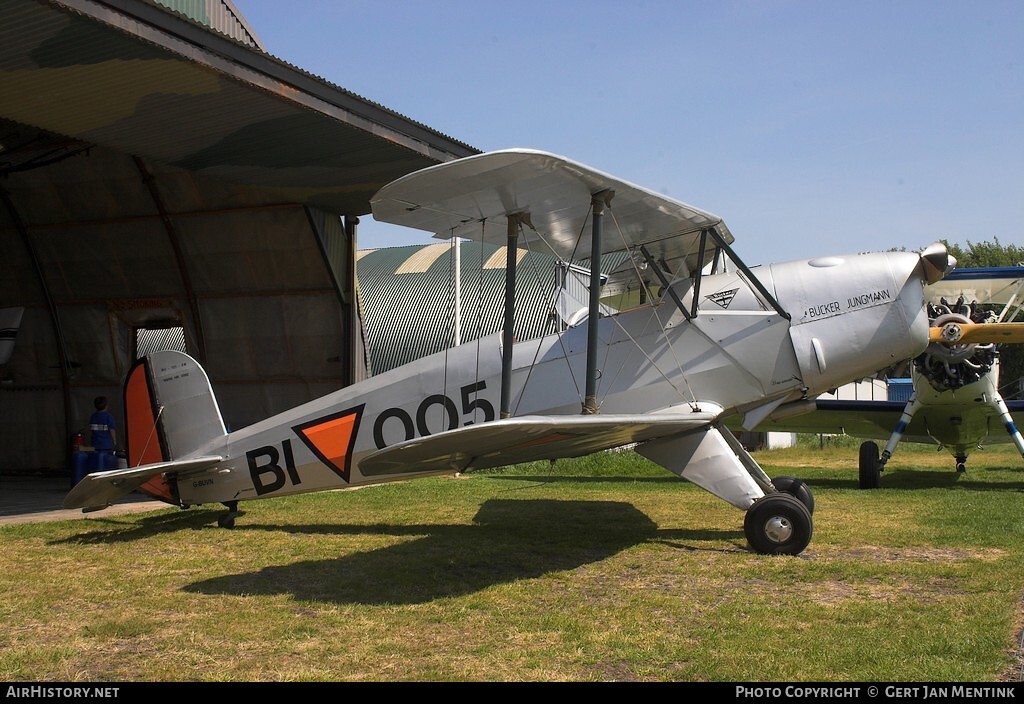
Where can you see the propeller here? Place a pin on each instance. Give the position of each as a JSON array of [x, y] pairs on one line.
[[951, 360], [964, 333]]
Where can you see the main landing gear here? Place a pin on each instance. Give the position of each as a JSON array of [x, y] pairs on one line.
[[870, 463], [228, 519], [780, 523]]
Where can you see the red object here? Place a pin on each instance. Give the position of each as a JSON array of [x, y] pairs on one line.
[[77, 440]]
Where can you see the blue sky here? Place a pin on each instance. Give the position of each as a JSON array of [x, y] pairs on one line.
[[813, 127]]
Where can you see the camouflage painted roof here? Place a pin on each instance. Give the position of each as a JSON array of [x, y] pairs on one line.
[[145, 80]]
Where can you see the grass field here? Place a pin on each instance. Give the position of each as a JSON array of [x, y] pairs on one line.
[[605, 568]]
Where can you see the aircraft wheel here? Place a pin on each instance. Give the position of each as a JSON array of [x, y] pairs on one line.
[[961, 467], [227, 521], [870, 468], [778, 524], [798, 488]]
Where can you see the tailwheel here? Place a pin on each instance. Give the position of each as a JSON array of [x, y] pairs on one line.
[[870, 466], [778, 524], [228, 519], [961, 463], [798, 488]]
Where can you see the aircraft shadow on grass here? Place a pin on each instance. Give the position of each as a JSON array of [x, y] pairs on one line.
[[509, 541]]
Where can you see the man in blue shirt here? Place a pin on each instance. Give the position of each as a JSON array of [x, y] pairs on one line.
[[103, 435]]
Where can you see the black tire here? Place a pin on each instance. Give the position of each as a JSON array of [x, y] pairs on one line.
[[778, 524], [870, 466], [798, 488], [226, 521]]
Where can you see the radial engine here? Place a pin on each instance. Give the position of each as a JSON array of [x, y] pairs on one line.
[[951, 366]]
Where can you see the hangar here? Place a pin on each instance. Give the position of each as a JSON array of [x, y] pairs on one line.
[[165, 181]]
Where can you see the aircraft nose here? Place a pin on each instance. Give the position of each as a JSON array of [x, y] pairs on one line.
[[936, 262]]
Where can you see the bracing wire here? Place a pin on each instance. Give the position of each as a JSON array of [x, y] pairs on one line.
[[661, 325], [551, 310], [559, 336], [451, 316], [152, 432], [479, 312]]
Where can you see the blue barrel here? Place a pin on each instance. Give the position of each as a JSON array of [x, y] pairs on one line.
[[102, 460], [79, 466]]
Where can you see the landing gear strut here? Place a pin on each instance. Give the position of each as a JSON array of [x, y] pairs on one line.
[[228, 519]]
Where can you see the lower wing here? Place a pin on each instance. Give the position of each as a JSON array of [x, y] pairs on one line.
[[529, 438], [859, 419], [874, 420]]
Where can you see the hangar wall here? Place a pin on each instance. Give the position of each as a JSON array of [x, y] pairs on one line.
[[263, 293], [158, 168]]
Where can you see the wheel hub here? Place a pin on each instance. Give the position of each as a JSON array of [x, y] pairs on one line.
[[778, 529]]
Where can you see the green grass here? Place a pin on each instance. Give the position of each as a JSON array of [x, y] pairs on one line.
[[606, 568]]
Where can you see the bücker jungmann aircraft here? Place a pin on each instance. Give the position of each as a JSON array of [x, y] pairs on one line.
[[709, 338]]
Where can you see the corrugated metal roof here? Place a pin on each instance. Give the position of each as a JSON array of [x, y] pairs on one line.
[[499, 259], [409, 311], [141, 79], [421, 260], [220, 15], [407, 297]]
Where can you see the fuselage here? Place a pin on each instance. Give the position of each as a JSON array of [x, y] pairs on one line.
[[960, 419], [847, 318]]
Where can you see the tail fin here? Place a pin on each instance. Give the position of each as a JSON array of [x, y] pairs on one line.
[[170, 411]]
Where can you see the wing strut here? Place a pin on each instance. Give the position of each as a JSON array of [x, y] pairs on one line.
[[656, 268], [599, 201], [508, 334], [753, 280]]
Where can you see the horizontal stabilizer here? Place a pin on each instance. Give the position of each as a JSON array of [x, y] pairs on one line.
[[527, 439], [100, 489]]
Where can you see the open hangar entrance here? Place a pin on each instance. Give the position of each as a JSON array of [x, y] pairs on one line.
[[167, 182]]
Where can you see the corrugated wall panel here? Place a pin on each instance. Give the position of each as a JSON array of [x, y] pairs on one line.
[[410, 315], [220, 15]]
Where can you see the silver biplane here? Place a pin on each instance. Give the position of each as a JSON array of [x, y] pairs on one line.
[[708, 338]]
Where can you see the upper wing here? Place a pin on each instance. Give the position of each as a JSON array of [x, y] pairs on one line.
[[99, 489], [514, 440], [471, 197], [996, 285]]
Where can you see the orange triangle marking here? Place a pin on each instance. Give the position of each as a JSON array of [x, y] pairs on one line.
[[332, 439]]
